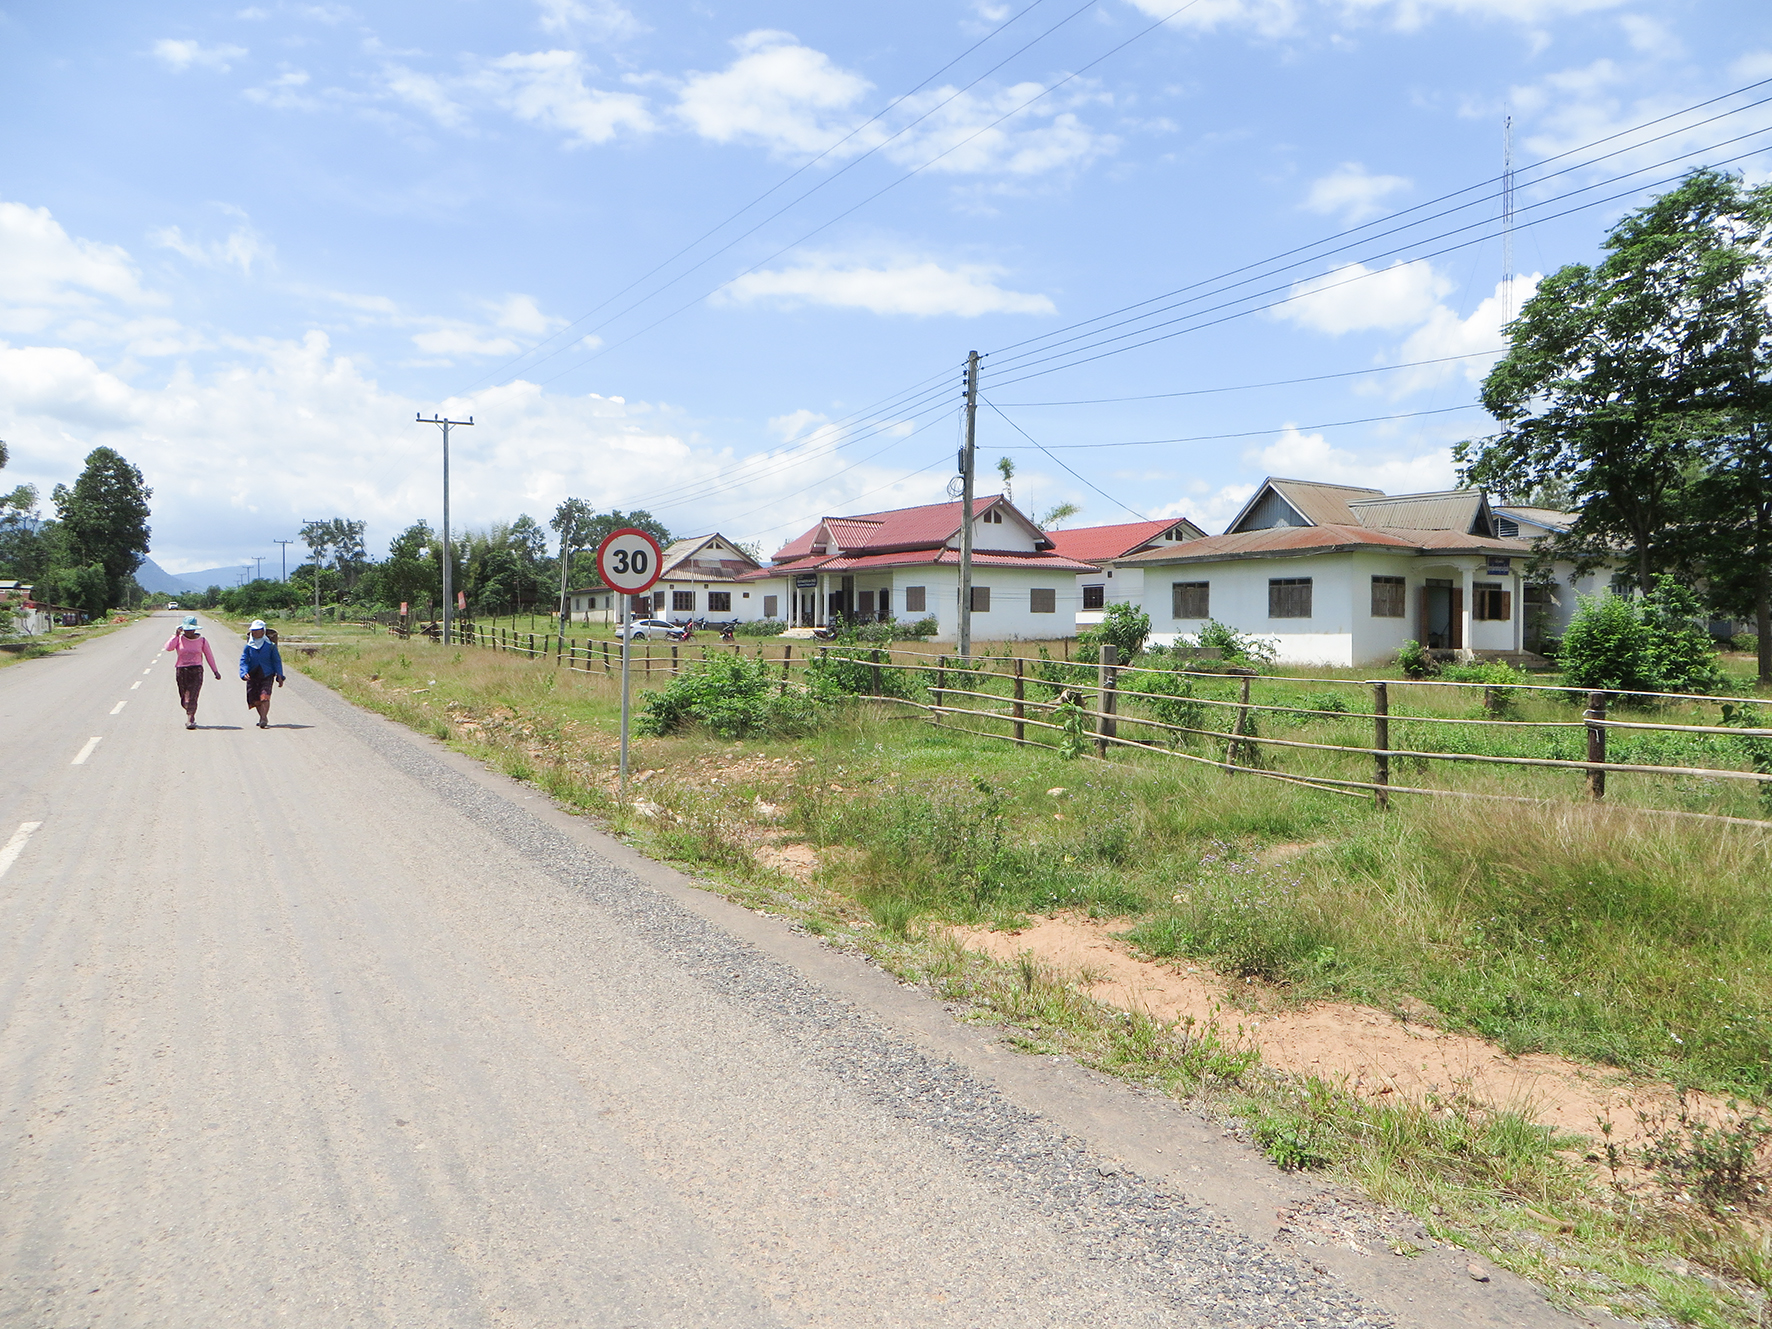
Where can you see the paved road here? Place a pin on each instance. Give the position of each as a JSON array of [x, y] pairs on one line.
[[322, 1026]]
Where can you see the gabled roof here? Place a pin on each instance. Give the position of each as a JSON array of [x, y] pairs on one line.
[[722, 564], [1464, 510], [1318, 504], [1548, 519], [1091, 544], [1295, 541], [927, 527], [933, 556]]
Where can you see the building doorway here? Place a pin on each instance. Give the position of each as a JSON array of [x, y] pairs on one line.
[[1442, 615]]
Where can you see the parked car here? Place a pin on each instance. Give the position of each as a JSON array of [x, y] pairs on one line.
[[649, 629]]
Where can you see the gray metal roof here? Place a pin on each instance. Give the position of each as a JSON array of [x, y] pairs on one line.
[[1448, 510], [1319, 504]]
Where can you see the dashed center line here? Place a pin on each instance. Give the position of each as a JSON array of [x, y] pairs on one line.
[[86, 751], [16, 845], [147, 671], [120, 705], [133, 686]]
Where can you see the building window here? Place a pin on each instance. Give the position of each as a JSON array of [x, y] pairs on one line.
[[768, 606], [1491, 604], [993, 517], [1387, 597], [867, 604], [913, 600], [682, 600], [719, 602], [885, 604], [1042, 602], [981, 599], [1507, 528], [1190, 599], [1289, 597], [1094, 597]]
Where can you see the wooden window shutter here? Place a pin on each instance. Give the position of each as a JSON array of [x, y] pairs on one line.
[[1507, 606], [1455, 630]]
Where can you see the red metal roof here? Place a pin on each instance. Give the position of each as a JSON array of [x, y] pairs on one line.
[[921, 558], [930, 526], [1093, 543]]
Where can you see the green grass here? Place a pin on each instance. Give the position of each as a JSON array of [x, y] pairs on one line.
[[1611, 938]]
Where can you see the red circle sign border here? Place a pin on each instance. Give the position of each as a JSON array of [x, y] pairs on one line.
[[657, 560]]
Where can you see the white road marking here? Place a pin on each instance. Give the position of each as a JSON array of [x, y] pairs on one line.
[[133, 686], [16, 846], [120, 705], [85, 752], [147, 671]]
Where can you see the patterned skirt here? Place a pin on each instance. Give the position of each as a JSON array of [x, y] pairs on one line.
[[190, 683], [258, 688]]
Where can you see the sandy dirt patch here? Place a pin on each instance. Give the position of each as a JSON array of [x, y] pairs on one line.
[[1372, 1052]]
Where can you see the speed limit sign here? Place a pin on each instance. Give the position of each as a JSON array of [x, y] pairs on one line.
[[629, 561]]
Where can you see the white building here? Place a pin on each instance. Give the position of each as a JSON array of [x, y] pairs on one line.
[[904, 564], [1341, 575], [701, 579], [1105, 584]]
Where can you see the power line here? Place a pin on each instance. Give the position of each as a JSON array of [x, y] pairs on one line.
[[913, 172], [1246, 433], [1060, 461], [1276, 383], [801, 170]]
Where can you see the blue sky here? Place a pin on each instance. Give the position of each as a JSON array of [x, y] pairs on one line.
[[244, 245]]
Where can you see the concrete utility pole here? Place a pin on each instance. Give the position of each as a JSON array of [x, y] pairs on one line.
[[448, 571], [967, 456], [258, 567], [285, 544]]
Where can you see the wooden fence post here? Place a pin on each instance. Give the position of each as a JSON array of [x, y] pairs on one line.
[[1238, 729], [605, 657], [1596, 744], [673, 659], [876, 671], [787, 655], [1381, 743], [941, 684], [1020, 728], [1107, 693], [559, 641]]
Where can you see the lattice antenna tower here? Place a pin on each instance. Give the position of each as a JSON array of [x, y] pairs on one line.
[[1507, 220]]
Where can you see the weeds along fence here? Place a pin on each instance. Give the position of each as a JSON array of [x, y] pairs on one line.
[[1366, 739]]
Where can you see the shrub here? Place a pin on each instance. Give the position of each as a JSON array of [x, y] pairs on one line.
[[1242, 647], [1125, 625], [762, 627], [1172, 701], [1414, 661], [1656, 644], [1058, 675], [733, 696], [889, 631], [852, 673]]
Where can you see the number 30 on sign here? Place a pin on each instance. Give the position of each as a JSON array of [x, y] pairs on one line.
[[629, 561]]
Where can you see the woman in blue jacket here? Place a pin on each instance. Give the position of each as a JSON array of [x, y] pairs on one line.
[[259, 665]]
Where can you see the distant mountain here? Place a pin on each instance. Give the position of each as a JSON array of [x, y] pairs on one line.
[[158, 581]]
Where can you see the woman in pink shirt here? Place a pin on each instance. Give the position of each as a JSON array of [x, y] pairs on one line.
[[193, 649]]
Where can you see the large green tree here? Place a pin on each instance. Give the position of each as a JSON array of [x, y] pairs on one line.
[[1639, 387], [105, 516]]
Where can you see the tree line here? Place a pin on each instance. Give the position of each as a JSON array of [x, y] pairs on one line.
[[504, 568]]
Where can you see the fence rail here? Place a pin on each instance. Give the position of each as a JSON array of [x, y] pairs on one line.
[[1091, 697]]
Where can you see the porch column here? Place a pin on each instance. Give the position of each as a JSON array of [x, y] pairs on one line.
[[1518, 600], [1465, 578], [820, 609]]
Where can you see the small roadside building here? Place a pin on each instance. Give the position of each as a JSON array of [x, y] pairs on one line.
[[701, 579], [1101, 545], [905, 564], [1341, 575]]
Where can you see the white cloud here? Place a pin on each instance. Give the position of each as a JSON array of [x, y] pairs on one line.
[[283, 93], [520, 313], [778, 93], [1274, 18], [243, 246], [604, 19], [1355, 298], [47, 275], [1650, 36], [1353, 192], [1310, 457], [1753, 66], [1443, 333], [921, 288], [179, 56], [462, 341], [792, 100], [791, 426], [548, 88], [425, 93]]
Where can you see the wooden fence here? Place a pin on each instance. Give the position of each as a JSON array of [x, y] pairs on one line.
[[1085, 711]]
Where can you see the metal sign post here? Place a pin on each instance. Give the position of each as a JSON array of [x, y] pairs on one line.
[[628, 562]]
